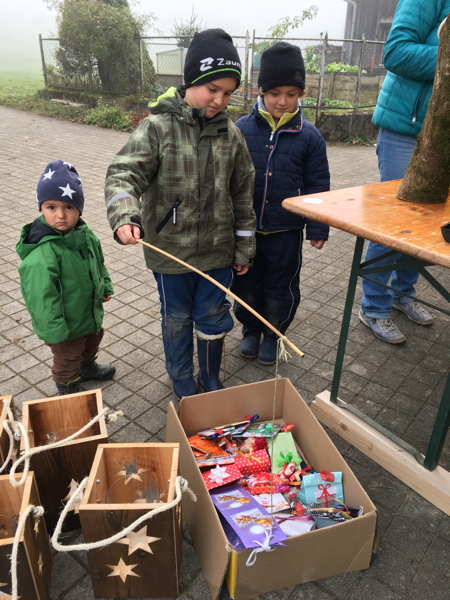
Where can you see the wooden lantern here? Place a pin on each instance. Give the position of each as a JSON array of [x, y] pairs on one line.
[[34, 562], [59, 470], [5, 404], [146, 563]]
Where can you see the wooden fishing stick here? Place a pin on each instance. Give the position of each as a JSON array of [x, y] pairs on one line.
[[227, 291]]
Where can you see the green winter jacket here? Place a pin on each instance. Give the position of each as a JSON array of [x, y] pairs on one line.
[[410, 57], [190, 178], [63, 280]]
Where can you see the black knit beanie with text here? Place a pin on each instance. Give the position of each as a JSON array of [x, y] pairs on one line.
[[211, 55]]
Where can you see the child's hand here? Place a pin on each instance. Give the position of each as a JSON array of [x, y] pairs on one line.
[[240, 269], [317, 243], [106, 298], [128, 234]]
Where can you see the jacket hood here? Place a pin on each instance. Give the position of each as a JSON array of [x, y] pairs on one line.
[[172, 102], [36, 233]]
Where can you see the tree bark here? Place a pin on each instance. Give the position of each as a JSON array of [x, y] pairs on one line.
[[427, 178]]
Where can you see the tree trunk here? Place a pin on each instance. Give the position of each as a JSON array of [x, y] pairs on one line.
[[427, 178]]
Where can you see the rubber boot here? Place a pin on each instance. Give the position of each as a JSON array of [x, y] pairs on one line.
[[91, 369], [209, 359], [184, 387], [72, 387], [249, 345]]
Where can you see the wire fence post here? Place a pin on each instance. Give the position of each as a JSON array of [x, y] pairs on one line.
[[252, 58], [44, 68], [246, 83], [360, 68], [141, 59], [321, 79]]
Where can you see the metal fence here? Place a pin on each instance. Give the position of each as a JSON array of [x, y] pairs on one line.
[[156, 63]]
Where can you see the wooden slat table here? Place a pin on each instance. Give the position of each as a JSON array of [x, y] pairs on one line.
[[372, 212]]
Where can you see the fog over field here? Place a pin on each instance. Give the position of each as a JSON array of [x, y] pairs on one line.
[[22, 21]]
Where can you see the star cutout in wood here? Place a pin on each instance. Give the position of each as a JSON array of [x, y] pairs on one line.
[[138, 540], [40, 563], [36, 526], [73, 485], [130, 471], [122, 570], [147, 496]]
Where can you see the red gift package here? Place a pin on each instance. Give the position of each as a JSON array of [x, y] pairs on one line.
[[221, 476], [252, 463]]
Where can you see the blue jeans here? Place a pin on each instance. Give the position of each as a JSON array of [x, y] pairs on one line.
[[394, 152], [189, 298]]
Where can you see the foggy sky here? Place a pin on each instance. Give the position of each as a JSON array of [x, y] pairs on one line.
[[21, 22]]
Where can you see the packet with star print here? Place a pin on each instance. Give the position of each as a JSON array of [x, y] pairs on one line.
[[244, 518]]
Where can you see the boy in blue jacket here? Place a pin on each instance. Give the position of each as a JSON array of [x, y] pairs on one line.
[[290, 159]]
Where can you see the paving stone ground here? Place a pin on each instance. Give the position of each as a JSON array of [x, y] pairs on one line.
[[398, 386]]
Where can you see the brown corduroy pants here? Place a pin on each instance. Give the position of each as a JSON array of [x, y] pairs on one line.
[[67, 356]]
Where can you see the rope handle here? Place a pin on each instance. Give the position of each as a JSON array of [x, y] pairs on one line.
[[37, 512], [28, 453], [10, 425], [181, 487]]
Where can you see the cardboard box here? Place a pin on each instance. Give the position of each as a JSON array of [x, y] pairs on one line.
[[322, 553]]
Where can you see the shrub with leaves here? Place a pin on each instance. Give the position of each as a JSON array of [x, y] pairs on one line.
[[113, 117], [99, 49]]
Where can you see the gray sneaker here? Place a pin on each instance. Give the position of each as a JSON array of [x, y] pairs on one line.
[[415, 311], [383, 329]]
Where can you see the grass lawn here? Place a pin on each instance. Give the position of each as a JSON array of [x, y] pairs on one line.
[[18, 89], [16, 85]]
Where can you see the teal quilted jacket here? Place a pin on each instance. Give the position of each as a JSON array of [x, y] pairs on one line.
[[410, 58]]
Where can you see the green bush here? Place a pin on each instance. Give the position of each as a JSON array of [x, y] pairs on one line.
[[334, 68], [113, 117]]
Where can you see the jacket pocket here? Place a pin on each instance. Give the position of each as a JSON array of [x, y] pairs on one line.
[[61, 298], [419, 102], [172, 212]]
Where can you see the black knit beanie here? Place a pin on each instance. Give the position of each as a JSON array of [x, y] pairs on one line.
[[60, 181], [281, 64], [211, 55]]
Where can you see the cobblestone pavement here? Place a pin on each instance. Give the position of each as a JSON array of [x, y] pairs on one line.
[[399, 386]]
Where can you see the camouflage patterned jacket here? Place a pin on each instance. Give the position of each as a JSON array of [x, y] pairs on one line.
[[190, 187]]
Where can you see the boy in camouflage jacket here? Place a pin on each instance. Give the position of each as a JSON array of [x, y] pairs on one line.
[[184, 182]]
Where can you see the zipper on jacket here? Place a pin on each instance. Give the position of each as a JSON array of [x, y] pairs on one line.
[[266, 185], [81, 254], [172, 212], [96, 266], [418, 103], [61, 298]]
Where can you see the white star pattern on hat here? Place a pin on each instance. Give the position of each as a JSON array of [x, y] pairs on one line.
[[68, 164], [48, 175], [67, 191]]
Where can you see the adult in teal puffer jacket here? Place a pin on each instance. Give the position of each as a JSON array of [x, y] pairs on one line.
[[410, 57], [63, 279]]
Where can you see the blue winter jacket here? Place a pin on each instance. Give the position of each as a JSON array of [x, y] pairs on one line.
[[410, 58], [290, 161]]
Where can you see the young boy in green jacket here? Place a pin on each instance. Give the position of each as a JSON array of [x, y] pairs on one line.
[[63, 279]]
